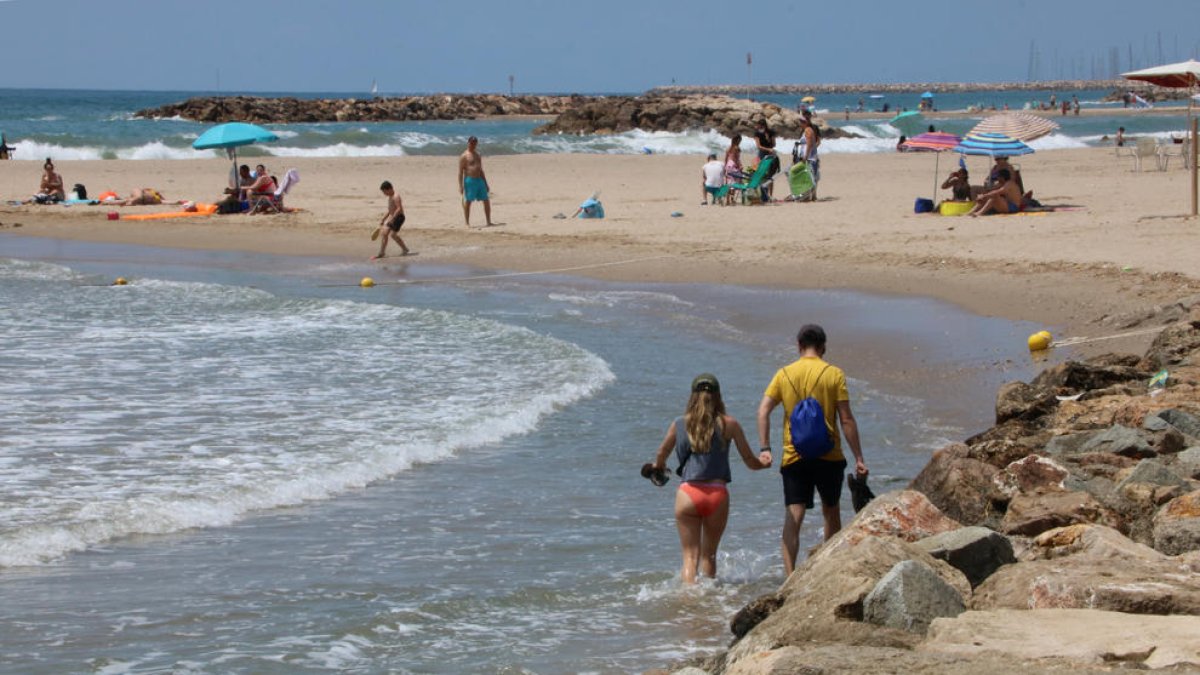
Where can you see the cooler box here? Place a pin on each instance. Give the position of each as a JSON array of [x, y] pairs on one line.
[[955, 208]]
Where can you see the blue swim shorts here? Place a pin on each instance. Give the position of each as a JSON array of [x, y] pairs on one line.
[[475, 189]]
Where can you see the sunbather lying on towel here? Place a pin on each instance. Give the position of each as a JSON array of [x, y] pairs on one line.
[[143, 197]]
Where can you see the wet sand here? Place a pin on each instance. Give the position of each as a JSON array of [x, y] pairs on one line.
[[1120, 241]]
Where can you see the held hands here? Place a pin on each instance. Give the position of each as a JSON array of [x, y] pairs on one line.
[[764, 458]]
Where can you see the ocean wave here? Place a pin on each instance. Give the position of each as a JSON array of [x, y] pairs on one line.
[[1057, 142], [122, 447], [38, 151], [337, 150]]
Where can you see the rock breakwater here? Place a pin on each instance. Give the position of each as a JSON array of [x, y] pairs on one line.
[[1064, 538], [291, 110], [724, 114]]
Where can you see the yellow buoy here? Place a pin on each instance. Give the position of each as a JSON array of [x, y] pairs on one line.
[[1047, 334], [120, 281], [1039, 341], [367, 282]]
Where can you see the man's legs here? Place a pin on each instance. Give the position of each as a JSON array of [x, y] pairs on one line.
[[833, 519], [793, 518], [403, 248], [467, 212], [487, 211]]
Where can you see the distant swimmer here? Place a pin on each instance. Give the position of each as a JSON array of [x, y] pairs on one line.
[[392, 221], [700, 440], [472, 183]]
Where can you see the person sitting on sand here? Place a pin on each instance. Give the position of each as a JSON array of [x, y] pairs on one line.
[[143, 197], [392, 221], [51, 189], [712, 176], [1006, 198], [262, 186], [959, 184], [700, 440]]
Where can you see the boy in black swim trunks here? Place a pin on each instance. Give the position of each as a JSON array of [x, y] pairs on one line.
[[392, 220]]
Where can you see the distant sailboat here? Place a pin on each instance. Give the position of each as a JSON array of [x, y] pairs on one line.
[[374, 88]]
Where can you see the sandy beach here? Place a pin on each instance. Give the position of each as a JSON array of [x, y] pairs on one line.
[[1122, 241]]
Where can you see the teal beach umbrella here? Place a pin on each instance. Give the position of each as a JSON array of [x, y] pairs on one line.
[[909, 123], [231, 136]]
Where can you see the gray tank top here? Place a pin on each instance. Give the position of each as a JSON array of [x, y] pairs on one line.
[[711, 465]]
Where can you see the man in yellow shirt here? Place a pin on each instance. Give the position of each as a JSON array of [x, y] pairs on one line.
[[808, 376]]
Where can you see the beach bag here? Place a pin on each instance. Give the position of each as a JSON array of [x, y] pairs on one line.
[[810, 437], [80, 191], [923, 205]]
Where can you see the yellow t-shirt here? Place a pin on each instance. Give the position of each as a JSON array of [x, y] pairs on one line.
[[828, 390]]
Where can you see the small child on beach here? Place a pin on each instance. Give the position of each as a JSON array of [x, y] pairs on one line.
[[393, 220]]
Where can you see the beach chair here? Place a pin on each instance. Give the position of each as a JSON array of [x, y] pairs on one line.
[[765, 167], [1182, 150], [273, 203], [800, 180], [1146, 148]]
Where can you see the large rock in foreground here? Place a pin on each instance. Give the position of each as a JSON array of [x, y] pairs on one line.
[[1079, 635]]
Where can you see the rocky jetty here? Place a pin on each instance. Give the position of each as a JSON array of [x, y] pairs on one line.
[[724, 114], [1150, 93], [890, 87], [1066, 538], [289, 110]]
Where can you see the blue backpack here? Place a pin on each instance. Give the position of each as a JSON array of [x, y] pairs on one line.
[[810, 436]]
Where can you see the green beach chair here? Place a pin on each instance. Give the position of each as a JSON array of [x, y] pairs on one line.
[[765, 167], [800, 180]]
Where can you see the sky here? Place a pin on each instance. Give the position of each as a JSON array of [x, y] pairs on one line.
[[573, 46]]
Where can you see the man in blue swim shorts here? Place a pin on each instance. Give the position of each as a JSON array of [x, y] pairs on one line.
[[472, 183]]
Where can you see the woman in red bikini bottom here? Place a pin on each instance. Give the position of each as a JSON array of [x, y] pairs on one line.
[[701, 439]]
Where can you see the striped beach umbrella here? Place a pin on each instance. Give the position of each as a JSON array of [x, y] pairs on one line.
[[1021, 126], [992, 145], [936, 142]]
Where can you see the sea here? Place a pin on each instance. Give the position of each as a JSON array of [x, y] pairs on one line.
[[77, 125], [246, 463]]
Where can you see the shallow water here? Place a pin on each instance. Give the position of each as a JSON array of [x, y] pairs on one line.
[[228, 467]]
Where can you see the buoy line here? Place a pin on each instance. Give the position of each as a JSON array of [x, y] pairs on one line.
[[1067, 342], [499, 275]]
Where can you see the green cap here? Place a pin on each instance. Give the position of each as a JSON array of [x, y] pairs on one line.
[[706, 382]]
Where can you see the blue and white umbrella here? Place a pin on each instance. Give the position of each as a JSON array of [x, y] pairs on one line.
[[992, 145]]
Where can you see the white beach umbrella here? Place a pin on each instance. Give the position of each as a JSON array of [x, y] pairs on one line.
[[1185, 74]]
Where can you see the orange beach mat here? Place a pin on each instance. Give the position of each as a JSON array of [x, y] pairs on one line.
[[201, 210]]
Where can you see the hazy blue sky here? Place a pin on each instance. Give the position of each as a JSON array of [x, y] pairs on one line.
[[565, 45]]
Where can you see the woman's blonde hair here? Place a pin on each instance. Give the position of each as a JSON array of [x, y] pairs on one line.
[[703, 415]]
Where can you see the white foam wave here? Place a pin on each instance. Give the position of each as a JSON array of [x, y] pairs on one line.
[[147, 444], [338, 150], [37, 151], [159, 150], [1057, 142]]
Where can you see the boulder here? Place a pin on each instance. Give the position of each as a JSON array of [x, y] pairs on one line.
[[909, 597], [1083, 636], [823, 598], [1177, 525], [1031, 473], [1033, 513], [1099, 373], [963, 488], [1087, 567], [1119, 440], [1018, 400], [1152, 472], [1188, 462], [1186, 423], [1176, 345], [907, 515], [977, 552]]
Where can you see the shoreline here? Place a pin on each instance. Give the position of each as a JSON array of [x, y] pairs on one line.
[[1065, 270]]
